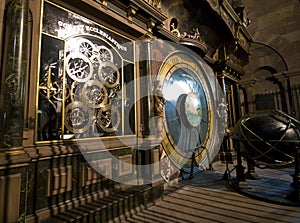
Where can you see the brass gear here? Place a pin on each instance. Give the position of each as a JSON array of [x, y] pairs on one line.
[[78, 117], [108, 119], [109, 74], [95, 94], [79, 67]]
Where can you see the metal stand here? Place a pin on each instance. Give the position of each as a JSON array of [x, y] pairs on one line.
[[295, 193], [192, 166], [251, 174], [226, 175], [240, 181]]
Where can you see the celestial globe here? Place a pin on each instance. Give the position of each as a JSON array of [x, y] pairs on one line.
[[268, 137]]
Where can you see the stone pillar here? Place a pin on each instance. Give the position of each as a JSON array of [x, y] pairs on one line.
[[145, 85], [249, 96], [283, 83], [14, 74], [238, 109], [294, 77]]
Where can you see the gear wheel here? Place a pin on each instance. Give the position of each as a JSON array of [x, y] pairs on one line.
[[78, 117]]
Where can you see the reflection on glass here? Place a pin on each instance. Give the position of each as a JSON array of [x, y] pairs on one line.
[[82, 74], [186, 109]]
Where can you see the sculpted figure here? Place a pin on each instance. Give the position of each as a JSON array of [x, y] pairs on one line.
[[222, 112], [159, 106]]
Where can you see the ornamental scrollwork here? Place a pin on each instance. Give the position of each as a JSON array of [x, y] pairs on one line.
[[154, 3], [194, 34]]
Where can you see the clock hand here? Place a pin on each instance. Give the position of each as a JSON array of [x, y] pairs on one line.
[[174, 119]]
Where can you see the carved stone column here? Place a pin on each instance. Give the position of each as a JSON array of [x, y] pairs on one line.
[[283, 82], [14, 74], [249, 96]]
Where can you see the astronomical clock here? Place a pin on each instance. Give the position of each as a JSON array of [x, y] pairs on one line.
[[191, 95]]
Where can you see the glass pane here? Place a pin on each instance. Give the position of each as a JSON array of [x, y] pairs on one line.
[[82, 80]]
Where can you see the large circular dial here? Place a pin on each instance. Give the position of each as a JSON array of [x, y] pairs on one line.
[[190, 118]]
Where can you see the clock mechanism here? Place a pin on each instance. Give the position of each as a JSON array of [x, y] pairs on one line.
[[83, 89], [94, 79]]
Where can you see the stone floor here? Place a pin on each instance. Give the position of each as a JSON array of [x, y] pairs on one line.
[[209, 198]]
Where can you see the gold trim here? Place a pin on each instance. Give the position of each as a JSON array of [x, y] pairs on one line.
[[35, 134], [41, 33], [170, 64], [12, 151]]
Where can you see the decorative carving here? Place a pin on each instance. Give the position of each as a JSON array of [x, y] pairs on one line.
[[155, 3], [159, 106], [174, 27], [191, 38], [150, 25], [223, 112], [59, 180], [195, 35], [131, 12], [125, 165], [89, 175]]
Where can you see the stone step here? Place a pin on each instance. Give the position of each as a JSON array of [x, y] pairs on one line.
[[115, 207]]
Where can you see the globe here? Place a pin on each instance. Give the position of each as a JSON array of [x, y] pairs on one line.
[[268, 137]]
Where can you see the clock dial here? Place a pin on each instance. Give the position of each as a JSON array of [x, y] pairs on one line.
[[190, 118], [186, 109]]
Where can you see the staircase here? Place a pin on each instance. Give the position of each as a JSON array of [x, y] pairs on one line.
[[113, 207]]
